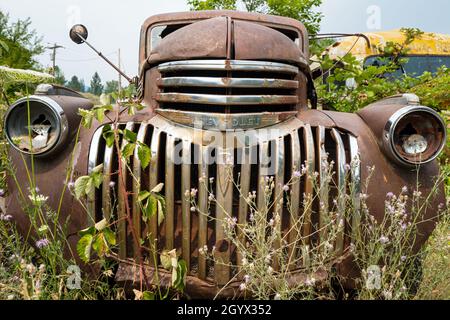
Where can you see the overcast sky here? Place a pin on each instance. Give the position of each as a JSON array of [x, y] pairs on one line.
[[116, 24]]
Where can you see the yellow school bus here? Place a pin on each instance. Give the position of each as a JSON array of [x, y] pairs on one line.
[[428, 52]]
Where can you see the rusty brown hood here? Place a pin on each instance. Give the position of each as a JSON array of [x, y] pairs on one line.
[[225, 38]]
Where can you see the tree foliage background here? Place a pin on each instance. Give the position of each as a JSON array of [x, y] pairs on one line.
[[19, 43], [302, 10]]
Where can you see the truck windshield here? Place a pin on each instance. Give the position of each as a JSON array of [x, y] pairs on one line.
[[415, 65]]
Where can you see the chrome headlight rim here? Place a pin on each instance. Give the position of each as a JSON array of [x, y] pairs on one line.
[[391, 125], [62, 125]]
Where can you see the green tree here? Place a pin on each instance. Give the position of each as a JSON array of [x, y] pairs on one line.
[[212, 4], [302, 10], [75, 84], [82, 85], [21, 42], [96, 85], [59, 76], [111, 86]]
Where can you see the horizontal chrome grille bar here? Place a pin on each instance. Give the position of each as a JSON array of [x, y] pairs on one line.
[[228, 65], [227, 82], [225, 99]]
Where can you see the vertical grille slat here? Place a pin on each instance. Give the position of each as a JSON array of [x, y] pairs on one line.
[[322, 159], [340, 172], [122, 197], [170, 192], [186, 206], [356, 181], [308, 140], [203, 208], [153, 177], [296, 164], [137, 181], [263, 171], [278, 157], [224, 206], [106, 189], [92, 163], [247, 156]]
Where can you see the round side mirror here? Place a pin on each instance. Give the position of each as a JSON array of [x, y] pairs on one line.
[[78, 33]]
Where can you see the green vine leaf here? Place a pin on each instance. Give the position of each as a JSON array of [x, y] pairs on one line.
[[180, 276], [130, 136], [108, 135], [144, 155], [128, 150], [84, 247], [85, 185]]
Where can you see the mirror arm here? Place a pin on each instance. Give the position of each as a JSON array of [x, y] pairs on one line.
[[130, 80]]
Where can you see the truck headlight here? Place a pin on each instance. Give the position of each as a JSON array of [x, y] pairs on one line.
[[414, 135], [39, 131]]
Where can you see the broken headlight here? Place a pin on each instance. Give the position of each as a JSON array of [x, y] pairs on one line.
[[414, 135], [36, 125]]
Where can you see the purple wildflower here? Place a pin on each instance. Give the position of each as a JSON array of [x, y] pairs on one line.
[[42, 243], [5, 217], [2, 192], [384, 239], [297, 174], [389, 195]]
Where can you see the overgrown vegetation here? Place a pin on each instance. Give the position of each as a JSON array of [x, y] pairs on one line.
[[37, 267]]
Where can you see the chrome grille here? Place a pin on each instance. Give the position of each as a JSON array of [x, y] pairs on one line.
[[295, 144], [227, 85]]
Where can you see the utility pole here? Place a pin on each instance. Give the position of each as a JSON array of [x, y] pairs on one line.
[[120, 77], [54, 48]]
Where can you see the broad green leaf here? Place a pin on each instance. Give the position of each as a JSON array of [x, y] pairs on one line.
[[143, 195], [87, 116], [84, 247], [80, 186], [180, 279], [144, 155], [128, 150], [90, 230], [100, 114], [108, 135], [99, 244], [166, 259], [148, 295], [109, 236], [161, 212], [90, 188], [130, 136], [150, 208], [97, 179]]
